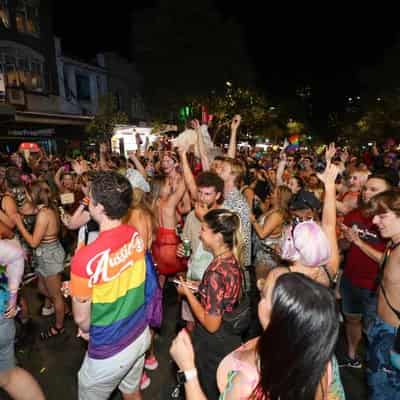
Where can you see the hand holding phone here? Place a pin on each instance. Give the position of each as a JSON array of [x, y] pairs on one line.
[[187, 284]]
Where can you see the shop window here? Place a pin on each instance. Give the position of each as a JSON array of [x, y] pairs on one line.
[[4, 14], [22, 68], [27, 17], [83, 87]]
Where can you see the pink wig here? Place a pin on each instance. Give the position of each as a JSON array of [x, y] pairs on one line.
[[308, 244]]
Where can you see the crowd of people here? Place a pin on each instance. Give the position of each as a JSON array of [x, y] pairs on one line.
[[270, 252]]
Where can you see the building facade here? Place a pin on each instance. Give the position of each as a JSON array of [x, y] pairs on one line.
[[31, 108], [126, 84], [47, 96]]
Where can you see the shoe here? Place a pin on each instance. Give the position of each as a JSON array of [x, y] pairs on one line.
[[144, 381], [47, 311], [351, 363], [151, 363]]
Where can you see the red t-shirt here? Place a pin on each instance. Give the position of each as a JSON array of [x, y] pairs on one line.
[[359, 268]]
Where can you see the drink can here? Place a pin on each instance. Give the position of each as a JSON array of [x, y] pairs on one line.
[[186, 247]]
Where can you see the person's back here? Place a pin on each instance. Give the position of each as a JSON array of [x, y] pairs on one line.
[[108, 280], [112, 271]]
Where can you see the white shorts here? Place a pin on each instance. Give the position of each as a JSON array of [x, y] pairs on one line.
[[99, 378]]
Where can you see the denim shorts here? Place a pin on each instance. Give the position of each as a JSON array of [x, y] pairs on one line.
[[49, 258], [7, 335], [358, 301], [383, 379]]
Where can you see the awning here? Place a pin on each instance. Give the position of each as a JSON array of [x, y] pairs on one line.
[[51, 119]]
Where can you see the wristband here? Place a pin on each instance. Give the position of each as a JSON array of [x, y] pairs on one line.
[[85, 203], [190, 374], [186, 376]]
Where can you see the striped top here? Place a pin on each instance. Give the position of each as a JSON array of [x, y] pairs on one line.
[[111, 272]]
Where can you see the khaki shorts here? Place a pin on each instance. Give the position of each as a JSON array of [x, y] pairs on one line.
[[99, 378]]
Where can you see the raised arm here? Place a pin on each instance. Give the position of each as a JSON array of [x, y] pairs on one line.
[[205, 162], [176, 197], [103, 161], [80, 217], [328, 177], [187, 174], [57, 179], [281, 169], [233, 139], [138, 164]]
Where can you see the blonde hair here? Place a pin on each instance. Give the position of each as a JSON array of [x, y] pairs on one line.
[[237, 169]]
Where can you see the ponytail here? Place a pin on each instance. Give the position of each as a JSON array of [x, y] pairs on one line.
[[228, 224]]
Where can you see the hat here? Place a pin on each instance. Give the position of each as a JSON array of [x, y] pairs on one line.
[[137, 180], [304, 200]]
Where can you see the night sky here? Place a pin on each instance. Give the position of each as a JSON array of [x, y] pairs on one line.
[[290, 45]]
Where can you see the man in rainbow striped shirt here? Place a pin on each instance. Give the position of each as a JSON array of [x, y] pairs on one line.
[[108, 295]]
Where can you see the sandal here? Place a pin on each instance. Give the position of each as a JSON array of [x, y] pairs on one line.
[[50, 332]]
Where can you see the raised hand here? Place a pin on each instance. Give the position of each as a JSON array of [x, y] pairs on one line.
[[328, 177], [79, 167], [330, 153], [236, 122]]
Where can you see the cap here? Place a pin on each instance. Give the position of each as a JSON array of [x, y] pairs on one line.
[[304, 200], [137, 180]]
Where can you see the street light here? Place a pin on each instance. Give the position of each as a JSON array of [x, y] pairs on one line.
[[229, 84]]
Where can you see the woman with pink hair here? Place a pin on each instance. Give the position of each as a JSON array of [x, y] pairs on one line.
[[310, 247]]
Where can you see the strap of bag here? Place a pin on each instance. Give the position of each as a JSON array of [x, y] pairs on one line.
[[383, 264]]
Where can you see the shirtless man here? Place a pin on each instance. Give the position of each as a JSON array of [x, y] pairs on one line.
[[383, 376], [170, 166]]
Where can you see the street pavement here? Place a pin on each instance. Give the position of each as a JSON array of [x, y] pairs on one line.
[[55, 363]]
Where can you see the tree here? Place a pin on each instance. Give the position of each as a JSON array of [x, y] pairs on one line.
[[107, 117], [261, 118], [380, 119], [186, 51]]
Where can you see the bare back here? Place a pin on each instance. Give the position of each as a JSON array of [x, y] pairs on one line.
[[49, 217], [142, 221], [391, 284]]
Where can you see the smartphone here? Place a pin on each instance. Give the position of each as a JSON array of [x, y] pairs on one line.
[[177, 282]]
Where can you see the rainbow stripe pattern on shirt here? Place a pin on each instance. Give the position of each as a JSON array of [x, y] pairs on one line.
[[115, 282]]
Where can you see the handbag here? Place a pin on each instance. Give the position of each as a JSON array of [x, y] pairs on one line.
[[239, 319]]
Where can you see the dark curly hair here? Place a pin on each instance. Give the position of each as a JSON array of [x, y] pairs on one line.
[[113, 191]]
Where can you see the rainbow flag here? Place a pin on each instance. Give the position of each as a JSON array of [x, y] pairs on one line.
[[111, 272], [294, 143]]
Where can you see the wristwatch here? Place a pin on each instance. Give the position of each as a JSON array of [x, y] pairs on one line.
[[185, 376]]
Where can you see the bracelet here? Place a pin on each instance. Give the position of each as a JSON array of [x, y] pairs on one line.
[[190, 374]]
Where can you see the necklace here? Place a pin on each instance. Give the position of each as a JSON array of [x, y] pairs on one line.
[[221, 254]]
